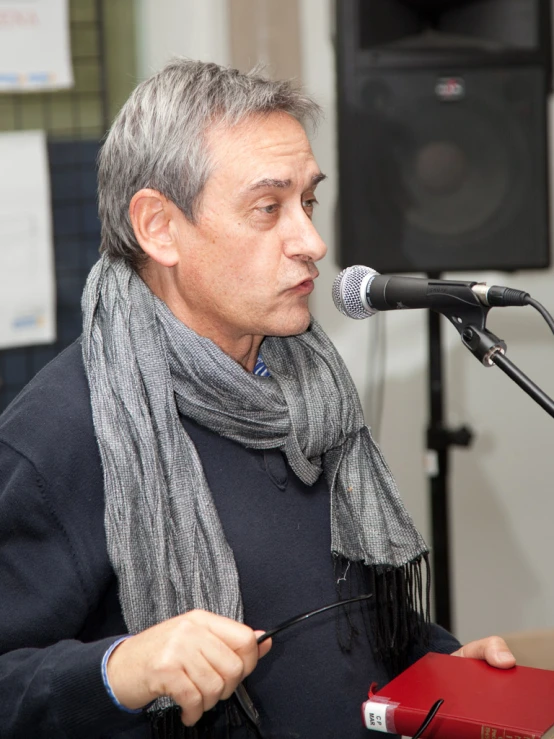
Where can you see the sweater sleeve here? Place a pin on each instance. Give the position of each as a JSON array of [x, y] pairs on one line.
[[50, 681], [440, 640]]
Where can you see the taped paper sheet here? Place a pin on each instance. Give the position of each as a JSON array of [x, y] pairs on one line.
[[35, 50], [27, 284]]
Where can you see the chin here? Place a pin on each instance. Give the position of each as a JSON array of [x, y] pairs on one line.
[[291, 326]]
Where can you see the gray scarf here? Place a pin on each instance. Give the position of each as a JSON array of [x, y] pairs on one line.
[[165, 539]]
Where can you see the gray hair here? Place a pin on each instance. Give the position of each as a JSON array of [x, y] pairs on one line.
[[158, 139]]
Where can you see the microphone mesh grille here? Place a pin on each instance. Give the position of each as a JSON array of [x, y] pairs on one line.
[[347, 292]]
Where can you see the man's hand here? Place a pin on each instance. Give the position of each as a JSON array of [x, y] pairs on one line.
[[196, 659], [493, 649]]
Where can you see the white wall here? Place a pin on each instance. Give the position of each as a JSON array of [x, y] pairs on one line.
[[502, 494], [192, 28]]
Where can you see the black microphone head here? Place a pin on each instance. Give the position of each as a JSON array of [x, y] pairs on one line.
[[349, 291]]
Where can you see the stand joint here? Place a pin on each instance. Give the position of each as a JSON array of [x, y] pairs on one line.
[[440, 438]]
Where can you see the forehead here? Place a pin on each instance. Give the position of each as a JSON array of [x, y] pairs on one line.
[[273, 146]]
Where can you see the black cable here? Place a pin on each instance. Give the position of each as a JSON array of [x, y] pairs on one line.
[[542, 310], [271, 632], [430, 716]]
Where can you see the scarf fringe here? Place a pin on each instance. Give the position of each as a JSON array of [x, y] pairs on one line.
[[219, 722], [397, 618]]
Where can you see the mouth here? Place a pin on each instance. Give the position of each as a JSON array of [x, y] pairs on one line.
[[306, 286]]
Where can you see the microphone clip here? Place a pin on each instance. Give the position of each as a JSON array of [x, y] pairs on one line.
[[483, 344], [470, 322]]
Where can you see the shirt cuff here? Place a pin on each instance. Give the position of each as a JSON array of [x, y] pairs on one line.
[[107, 685]]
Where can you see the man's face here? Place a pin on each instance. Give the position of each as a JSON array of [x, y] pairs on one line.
[[246, 267]]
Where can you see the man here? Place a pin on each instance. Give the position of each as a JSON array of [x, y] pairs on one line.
[[197, 465]]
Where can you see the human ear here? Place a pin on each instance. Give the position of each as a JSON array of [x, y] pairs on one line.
[[151, 215]]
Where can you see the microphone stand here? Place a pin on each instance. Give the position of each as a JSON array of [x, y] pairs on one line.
[[489, 349], [469, 319], [439, 440]]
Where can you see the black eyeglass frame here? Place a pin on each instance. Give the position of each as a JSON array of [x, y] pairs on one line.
[[245, 702], [241, 695]]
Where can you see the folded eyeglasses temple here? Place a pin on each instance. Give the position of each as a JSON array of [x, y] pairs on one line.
[[430, 716], [241, 695], [271, 632]]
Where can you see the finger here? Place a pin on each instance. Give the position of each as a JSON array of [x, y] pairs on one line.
[[187, 696], [208, 681], [265, 646], [226, 663], [249, 653], [493, 650], [237, 636]]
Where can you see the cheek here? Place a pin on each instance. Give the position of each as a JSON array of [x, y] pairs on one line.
[[256, 260], [238, 258]]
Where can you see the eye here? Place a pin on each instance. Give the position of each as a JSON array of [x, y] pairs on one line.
[[309, 204], [270, 209]]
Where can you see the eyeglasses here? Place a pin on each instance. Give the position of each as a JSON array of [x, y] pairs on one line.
[[243, 699], [169, 723], [245, 702]]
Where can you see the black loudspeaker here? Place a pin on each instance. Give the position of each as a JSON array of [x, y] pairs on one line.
[[442, 122]]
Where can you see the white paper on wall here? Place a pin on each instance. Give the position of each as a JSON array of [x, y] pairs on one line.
[[35, 50], [27, 283]]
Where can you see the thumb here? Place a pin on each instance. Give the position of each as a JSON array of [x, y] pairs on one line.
[[493, 650], [265, 646]]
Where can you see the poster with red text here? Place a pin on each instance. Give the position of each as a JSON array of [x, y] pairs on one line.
[[35, 49]]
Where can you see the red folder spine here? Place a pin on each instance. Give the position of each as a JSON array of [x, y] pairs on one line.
[[389, 717]]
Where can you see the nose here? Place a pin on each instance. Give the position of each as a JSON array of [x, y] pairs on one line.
[[305, 243]]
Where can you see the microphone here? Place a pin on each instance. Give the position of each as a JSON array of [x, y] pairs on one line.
[[359, 292]]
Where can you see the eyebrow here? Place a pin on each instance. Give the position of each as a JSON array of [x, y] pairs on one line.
[[269, 182]]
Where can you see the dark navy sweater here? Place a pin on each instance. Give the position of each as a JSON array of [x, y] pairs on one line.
[[59, 609]]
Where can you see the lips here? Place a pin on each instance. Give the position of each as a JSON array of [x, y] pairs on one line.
[[304, 287], [307, 282]]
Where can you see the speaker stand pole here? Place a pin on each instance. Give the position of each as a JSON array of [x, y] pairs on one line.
[[439, 441]]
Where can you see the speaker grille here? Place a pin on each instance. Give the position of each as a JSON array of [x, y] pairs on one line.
[[432, 182]]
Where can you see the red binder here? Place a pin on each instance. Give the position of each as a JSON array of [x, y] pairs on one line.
[[480, 701]]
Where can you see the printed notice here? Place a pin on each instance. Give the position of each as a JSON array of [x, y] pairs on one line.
[[27, 285], [35, 52]]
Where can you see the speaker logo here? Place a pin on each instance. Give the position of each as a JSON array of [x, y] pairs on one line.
[[450, 88]]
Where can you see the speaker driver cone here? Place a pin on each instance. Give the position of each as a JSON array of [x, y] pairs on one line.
[[456, 174]]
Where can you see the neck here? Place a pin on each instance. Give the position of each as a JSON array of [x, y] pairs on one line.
[[247, 357], [243, 348]]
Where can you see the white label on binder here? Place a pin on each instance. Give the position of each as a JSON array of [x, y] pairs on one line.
[[375, 715]]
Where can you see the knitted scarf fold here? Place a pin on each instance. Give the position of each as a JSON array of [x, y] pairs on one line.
[[165, 539]]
